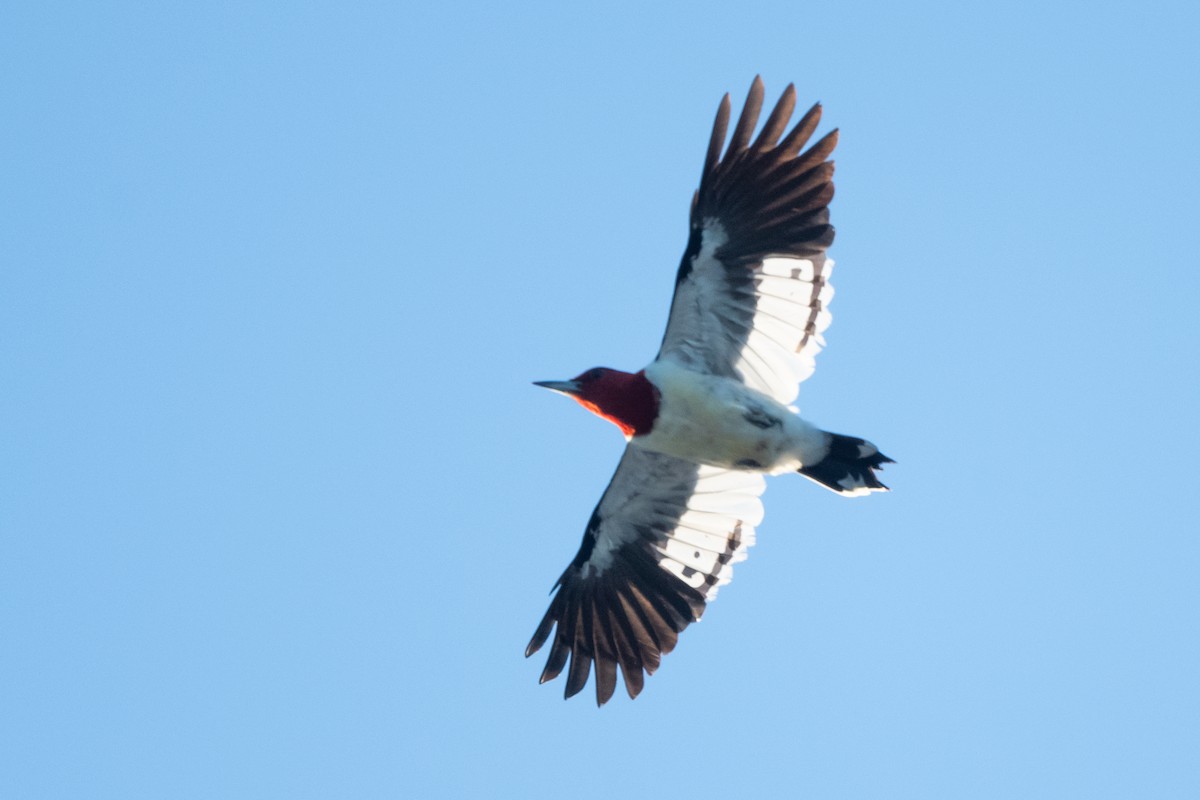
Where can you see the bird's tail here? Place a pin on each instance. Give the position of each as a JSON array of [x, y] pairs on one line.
[[849, 466]]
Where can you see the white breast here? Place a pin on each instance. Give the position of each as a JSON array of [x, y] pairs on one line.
[[722, 422]]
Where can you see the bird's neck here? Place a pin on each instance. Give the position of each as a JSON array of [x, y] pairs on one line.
[[628, 400]]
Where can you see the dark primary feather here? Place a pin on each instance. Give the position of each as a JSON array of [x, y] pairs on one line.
[[753, 191]]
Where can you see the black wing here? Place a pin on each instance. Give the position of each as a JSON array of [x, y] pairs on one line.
[[659, 544], [752, 289]]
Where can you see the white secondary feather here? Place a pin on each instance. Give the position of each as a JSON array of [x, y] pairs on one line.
[[787, 312], [716, 531], [698, 519]]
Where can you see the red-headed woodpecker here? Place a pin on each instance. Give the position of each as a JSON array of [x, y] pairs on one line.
[[710, 415]]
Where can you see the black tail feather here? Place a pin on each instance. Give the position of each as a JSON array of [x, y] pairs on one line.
[[849, 466]]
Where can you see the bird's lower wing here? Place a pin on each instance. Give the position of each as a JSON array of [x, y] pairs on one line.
[[660, 543]]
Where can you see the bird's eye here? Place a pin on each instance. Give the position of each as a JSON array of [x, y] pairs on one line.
[[593, 374]]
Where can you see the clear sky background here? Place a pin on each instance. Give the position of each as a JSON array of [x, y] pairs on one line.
[[279, 508]]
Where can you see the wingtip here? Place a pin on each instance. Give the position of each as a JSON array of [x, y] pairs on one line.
[[721, 121], [603, 694]]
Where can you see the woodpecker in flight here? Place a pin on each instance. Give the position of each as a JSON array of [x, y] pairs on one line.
[[710, 416]]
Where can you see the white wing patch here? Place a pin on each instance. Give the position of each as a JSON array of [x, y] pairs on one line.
[[715, 531], [791, 299], [786, 305]]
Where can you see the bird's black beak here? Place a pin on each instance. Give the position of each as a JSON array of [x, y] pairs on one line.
[[569, 388]]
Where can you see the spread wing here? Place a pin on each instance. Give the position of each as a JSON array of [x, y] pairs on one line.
[[753, 285], [661, 541]]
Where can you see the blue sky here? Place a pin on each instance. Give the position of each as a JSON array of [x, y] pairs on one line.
[[279, 508]]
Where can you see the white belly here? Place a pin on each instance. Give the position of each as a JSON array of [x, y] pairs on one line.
[[722, 422]]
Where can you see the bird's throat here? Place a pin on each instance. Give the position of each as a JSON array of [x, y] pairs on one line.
[[629, 401]]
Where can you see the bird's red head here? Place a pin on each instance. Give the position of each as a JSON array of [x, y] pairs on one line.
[[626, 399]]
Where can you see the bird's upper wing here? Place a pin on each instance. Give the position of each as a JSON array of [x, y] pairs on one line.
[[752, 289], [661, 541]]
